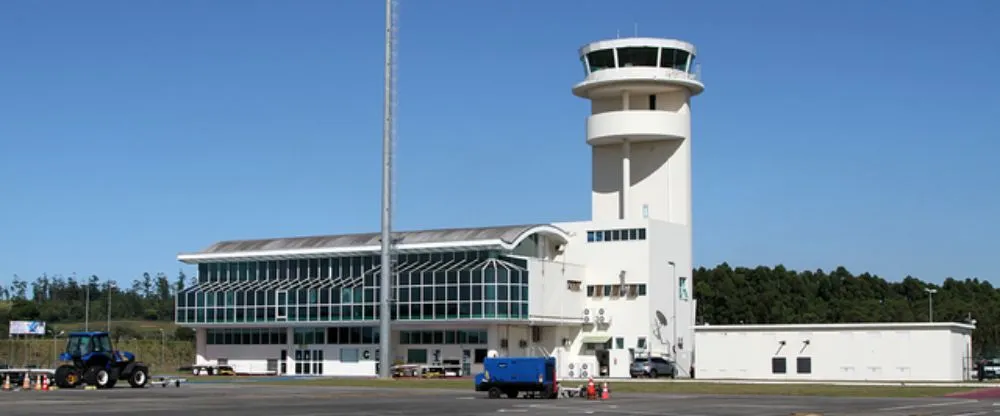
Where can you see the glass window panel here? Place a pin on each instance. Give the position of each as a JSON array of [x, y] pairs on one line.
[[440, 293], [427, 278], [515, 310], [477, 310], [502, 310], [464, 310], [491, 292]]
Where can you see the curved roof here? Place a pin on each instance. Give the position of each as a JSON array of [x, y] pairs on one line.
[[502, 237], [632, 42]]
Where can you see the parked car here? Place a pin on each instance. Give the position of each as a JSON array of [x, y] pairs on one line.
[[653, 367]]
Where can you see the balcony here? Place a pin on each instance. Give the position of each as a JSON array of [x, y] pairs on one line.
[[637, 126]]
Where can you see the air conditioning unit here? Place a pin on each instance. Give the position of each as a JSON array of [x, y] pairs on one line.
[[586, 319], [601, 319]]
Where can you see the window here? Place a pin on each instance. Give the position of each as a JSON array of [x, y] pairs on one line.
[[348, 355], [637, 56], [416, 356], [627, 234], [620, 343], [600, 60], [803, 365], [778, 365], [652, 106], [675, 59], [640, 343]]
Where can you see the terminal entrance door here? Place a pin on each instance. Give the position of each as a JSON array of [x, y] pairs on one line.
[[309, 362], [281, 305]]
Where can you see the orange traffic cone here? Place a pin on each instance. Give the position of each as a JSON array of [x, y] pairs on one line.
[[38, 382], [605, 393], [591, 389], [6, 383], [45, 382], [26, 385]]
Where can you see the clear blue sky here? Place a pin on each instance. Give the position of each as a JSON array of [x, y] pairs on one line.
[[853, 133]]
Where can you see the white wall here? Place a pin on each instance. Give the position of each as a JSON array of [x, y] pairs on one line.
[[547, 281], [659, 171], [858, 352], [671, 242]]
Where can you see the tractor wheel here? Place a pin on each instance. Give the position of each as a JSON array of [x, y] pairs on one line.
[[139, 377], [97, 376], [67, 377]]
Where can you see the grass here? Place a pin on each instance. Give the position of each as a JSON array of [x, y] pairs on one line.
[[146, 328], [796, 389]]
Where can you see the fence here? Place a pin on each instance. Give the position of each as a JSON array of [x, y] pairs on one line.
[[44, 353]]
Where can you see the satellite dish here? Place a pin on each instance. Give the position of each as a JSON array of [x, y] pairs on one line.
[[660, 318]]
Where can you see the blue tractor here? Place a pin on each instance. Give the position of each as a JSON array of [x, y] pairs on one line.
[[91, 359]]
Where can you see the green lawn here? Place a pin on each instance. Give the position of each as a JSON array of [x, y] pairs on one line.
[[665, 387], [139, 326]]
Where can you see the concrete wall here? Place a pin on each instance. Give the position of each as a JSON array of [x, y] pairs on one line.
[[842, 352]]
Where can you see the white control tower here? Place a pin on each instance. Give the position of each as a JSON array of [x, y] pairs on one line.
[[640, 91]]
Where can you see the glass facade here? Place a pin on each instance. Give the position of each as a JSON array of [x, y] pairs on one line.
[[429, 286], [639, 56]]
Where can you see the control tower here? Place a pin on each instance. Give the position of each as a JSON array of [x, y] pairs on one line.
[[639, 129]]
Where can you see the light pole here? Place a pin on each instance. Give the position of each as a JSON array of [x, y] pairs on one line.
[[930, 303], [55, 348], [673, 341], [163, 340], [110, 285]]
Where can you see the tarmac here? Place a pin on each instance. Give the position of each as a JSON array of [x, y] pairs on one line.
[[254, 399]]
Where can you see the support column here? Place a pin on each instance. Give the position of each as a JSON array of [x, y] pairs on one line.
[[201, 346], [626, 177]]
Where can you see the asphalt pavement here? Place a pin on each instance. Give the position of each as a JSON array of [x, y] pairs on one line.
[[254, 399]]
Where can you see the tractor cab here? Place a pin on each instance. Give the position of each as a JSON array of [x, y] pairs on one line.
[[83, 347], [93, 360]]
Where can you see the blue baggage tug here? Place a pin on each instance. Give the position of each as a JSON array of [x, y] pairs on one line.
[[513, 375]]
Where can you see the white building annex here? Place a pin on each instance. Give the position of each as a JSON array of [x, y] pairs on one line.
[[592, 293], [836, 352]]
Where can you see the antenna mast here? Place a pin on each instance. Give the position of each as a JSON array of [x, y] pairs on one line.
[[388, 147]]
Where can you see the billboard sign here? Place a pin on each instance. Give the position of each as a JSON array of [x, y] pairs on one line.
[[27, 328]]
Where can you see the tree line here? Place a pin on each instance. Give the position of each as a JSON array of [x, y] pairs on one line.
[[58, 299], [776, 295], [726, 295]]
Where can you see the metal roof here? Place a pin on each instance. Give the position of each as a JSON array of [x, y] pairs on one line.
[[501, 236]]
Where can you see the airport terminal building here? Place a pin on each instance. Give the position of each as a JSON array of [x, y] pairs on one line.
[[595, 294]]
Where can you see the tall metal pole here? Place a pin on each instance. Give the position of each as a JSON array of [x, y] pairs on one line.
[[385, 334], [930, 303], [109, 306], [86, 309]]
